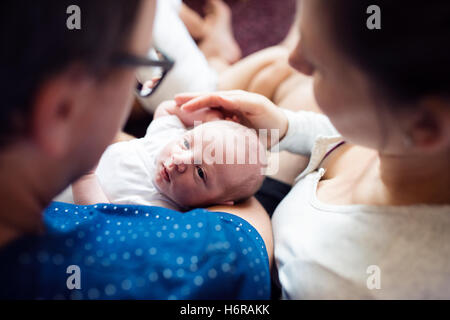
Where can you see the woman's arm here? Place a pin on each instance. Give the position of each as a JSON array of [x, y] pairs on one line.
[[303, 129], [253, 212], [87, 190]]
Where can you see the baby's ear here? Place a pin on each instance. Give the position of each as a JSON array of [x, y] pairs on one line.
[[227, 203]]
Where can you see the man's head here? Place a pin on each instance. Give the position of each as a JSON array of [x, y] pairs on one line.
[[61, 93], [219, 162], [63, 98]]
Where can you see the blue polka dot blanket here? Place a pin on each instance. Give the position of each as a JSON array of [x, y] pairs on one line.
[[108, 251]]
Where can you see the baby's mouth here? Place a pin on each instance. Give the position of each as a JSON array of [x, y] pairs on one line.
[[165, 173]]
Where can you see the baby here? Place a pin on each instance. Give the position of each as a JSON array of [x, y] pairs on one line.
[[216, 162]]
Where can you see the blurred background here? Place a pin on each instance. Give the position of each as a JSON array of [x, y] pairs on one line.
[[257, 24]]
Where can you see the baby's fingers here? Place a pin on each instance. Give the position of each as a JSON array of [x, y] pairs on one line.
[[234, 118]]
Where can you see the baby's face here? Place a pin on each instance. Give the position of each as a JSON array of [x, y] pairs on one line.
[[197, 170]]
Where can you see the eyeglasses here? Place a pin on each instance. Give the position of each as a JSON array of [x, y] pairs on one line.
[[151, 71]]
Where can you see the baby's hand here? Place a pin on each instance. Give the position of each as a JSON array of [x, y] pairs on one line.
[[233, 118], [205, 115], [208, 115]]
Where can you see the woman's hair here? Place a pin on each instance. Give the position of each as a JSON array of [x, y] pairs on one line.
[[409, 57], [36, 43]]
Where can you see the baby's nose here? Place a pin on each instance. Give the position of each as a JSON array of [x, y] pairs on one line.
[[181, 160], [181, 167]]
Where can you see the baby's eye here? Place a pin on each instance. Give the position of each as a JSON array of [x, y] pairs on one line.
[[186, 144], [200, 173]]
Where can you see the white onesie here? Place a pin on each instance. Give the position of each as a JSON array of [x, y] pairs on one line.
[[126, 169]]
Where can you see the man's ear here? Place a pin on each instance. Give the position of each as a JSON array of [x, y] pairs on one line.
[[53, 111], [431, 127]]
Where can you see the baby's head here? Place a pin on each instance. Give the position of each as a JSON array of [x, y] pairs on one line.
[[219, 162]]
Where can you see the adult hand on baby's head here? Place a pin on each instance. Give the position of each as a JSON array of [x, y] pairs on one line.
[[188, 118], [250, 109]]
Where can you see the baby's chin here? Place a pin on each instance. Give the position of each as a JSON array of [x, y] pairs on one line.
[[160, 183], [157, 180], [161, 186]]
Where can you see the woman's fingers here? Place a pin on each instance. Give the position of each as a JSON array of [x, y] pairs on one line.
[[213, 100], [182, 98]]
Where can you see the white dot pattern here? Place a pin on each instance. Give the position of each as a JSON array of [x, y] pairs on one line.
[[127, 252]]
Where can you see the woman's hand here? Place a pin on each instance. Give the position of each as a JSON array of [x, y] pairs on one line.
[[251, 109], [187, 118]]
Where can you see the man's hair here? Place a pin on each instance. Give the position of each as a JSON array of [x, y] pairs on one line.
[[36, 44]]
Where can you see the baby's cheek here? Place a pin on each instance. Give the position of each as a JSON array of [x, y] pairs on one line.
[[192, 196]]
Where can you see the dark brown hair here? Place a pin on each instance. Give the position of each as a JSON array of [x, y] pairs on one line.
[[36, 43], [409, 57]]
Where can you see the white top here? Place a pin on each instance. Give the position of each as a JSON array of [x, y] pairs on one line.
[[327, 251], [126, 169]]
